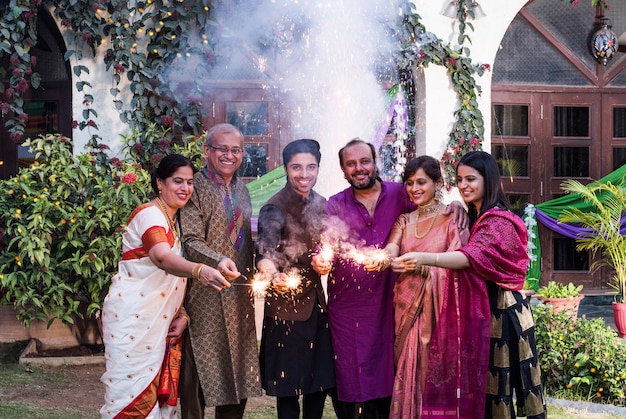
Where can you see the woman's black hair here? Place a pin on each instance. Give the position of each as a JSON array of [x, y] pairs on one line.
[[485, 164], [167, 167], [304, 145], [430, 165]]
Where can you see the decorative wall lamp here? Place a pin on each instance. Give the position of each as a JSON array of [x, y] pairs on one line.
[[604, 42], [451, 9]]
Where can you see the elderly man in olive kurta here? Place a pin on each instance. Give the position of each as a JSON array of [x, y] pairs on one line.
[[220, 360]]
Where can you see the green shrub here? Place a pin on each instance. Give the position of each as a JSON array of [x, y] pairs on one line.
[[62, 221], [558, 290], [582, 360]]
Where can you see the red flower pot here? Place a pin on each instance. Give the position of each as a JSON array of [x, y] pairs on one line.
[[619, 314], [568, 305]]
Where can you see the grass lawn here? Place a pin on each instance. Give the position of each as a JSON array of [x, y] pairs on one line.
[[75, 392]]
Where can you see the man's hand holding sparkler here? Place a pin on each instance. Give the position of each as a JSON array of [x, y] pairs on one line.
[[322, 260]]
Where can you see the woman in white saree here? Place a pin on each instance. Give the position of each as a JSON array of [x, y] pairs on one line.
[[142, 316]]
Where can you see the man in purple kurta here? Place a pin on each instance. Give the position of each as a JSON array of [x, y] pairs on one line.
[[360, 303]]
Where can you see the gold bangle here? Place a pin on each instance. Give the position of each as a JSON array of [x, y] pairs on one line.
[[436, 259], [184, 315], [195, 273]]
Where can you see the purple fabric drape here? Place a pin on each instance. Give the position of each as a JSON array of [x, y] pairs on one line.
[[569, 230]]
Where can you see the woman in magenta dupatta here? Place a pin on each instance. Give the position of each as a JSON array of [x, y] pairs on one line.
[[491, 268]]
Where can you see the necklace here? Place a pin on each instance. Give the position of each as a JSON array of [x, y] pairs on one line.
[[167, 215], [427, 210]]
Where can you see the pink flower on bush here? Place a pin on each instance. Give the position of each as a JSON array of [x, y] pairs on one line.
[[167, 121], [33, 60], [119, 69], [155, 158], [22, 85], [129, 178], [163, 144], [88, 38], [116, 162], [16, 137], [452, 62], [139, 148]]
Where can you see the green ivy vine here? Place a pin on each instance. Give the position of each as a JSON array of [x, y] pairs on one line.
[[422, 48], [140, 39]]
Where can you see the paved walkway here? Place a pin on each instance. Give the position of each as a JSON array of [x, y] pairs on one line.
[[598, 306]]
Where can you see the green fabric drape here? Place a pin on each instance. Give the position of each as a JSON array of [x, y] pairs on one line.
[[265, 187], [554, 207]]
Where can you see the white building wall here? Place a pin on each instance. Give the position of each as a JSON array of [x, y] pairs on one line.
[[110, 126], [437, 101]]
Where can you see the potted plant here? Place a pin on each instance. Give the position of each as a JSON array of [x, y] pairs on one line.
[[561, 297], [602, 222]]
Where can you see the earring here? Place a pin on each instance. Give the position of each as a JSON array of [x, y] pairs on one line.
[[439, 195]]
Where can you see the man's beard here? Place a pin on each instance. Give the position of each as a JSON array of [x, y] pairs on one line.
[[371, 181]]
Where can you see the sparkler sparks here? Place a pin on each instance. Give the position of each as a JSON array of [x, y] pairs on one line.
[[326, 252], [293, 280], [368, 256], [260, 283]]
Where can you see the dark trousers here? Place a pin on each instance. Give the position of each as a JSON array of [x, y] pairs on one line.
[[369, 409], [312, 406], [192, 402], [231, 411]]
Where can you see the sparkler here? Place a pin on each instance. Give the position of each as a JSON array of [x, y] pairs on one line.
[[293, 280], [369, 256], [326, 252], [259, 284]]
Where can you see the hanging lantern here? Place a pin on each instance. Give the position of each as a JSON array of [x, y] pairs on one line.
[[604, 42]]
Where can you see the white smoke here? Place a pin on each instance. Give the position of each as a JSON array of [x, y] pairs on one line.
[[322, 56]]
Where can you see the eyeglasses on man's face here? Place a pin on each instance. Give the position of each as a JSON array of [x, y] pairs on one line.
[[235, 151]]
